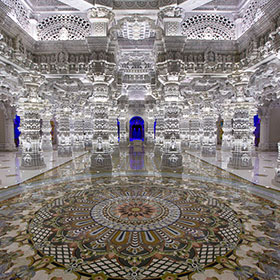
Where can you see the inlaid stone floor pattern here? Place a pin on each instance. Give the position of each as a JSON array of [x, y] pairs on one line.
[[138, 223]]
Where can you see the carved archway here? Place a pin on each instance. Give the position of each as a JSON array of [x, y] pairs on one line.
[[136, 129]]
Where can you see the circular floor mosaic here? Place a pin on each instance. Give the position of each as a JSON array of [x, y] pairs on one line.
[[135, 230]]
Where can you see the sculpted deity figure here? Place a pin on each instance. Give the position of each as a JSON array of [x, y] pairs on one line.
[[99, 147], [173, 145]]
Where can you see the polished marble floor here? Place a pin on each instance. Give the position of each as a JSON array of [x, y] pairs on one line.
[[263, 172], [139, 223], [11, 173]]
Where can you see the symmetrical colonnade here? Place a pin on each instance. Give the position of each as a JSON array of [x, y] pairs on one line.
[[91, 96]]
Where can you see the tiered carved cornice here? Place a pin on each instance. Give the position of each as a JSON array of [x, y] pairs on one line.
[[24, 52]]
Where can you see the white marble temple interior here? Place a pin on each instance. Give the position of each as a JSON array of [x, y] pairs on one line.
[[139, 139]]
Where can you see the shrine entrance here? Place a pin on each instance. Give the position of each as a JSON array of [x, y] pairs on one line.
[[136, 129]]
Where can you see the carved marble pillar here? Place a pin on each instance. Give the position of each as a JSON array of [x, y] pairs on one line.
[[31, 105], [123, 132], [194, 129], [171, 18], [184, 128], [100, 19], [243, 126], [227, 126], [172, 157], [150, 128], [100, 112], [88, 127], [78, 131], [113, 125], [9, 134], [101, 156], [159, 137], [172, 111], [7, 142], [64, 147], [209, 129], [160, 122], [46, 129]]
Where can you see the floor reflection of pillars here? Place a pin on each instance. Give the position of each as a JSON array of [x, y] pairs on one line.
[[136, 158], [131, 159]]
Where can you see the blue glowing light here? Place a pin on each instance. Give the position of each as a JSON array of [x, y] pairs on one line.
[[136, 129], [16, 130]]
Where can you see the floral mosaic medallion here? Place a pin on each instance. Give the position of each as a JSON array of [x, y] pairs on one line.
[[143, 230]]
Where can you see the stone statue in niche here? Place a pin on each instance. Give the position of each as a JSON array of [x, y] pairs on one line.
[[173, 144], [61, 58], [43, 59], [99, 147], [211, 57], [63, 34], [53, 60], [219, 58], [72, 58], [81, 59], [28, 145], [161, 139], [199, 58]]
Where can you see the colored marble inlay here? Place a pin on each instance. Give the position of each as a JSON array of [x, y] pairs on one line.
[[136, 226], [204, 224]]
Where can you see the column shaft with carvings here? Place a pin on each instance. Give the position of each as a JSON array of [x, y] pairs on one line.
[[113, 125], [172, 157], [31, 105], [7, 142], [150, 128], [88, 127], [101, 75], [64, 147], [244, 109], [209, 129], [172, 112], [194, 128], [46, 129], [227, 126], [184, 128], [123, 132], [78, 131]]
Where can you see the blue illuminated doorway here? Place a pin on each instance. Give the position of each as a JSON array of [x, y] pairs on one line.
[[136, 129]]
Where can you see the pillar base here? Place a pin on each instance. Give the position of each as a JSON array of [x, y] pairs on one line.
[[171, 162], [240, 161], [47, 148], [64, 151], [78, 147], [32, 161], [226, 146], [184, 145], [101, 162], [194, 147], [88, 145], [208, 151]]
